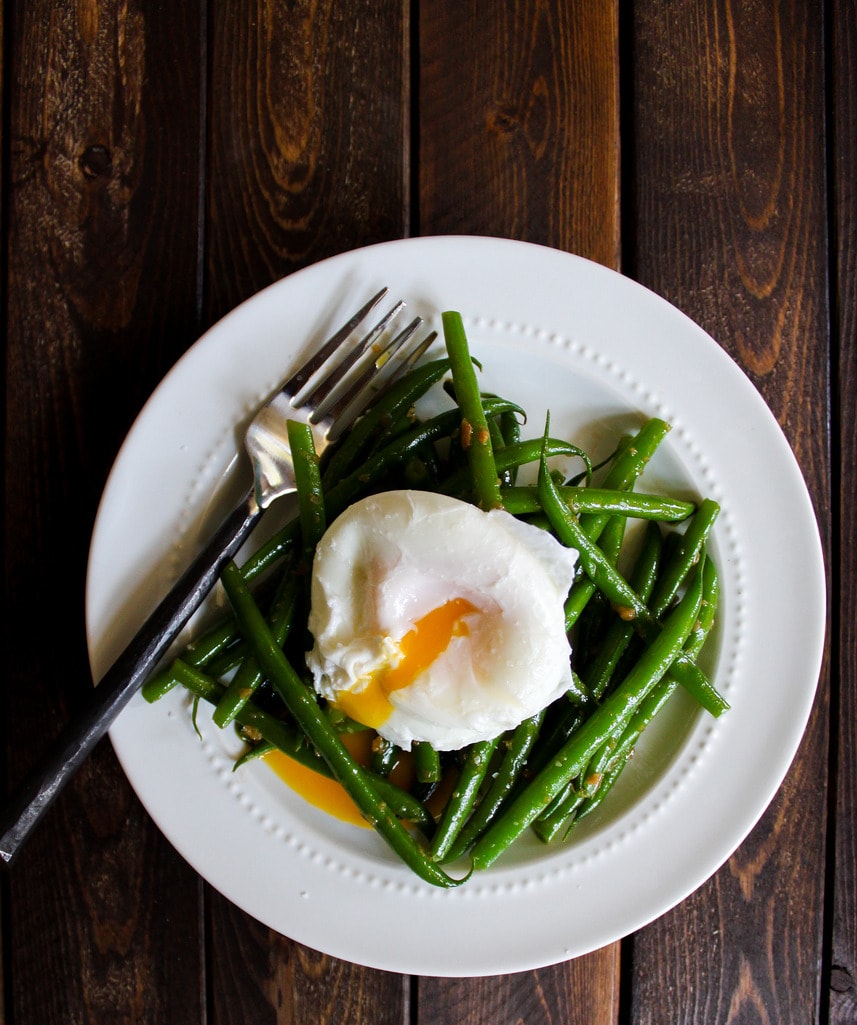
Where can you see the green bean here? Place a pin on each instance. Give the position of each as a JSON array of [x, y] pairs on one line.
[[311, 511], [684, 554], [216, 650], [512, 457], [341, 722], [614, 754], [517, 746], [427, 767], [559, 815], [212, 643], [270, 553], [708, 611], [597, 608], [159, 685], [591, 801], [687, 553], [606, 721], [463, 797], [396, 401], [620, 633], [614, 586], [495, 406], [569, 716], [259, 750], [700, 688], [476, 438], [611, 764], [422, 471], [582, 592], [529, 451], [590, 778], [597, 567], [281, 734], [579, 478], [584, 589], [694, 645], [228, 661], [211, 649], [578, 691], [250, 677], [523, 500], [502, 418], [395, 429], [578, 804], [561, 721], [498, 443], [292, 742], [690, 546], [388, 459], [385, 756], [510, 427], [632, 457], [598, 672], [314, 723], [510, 434]]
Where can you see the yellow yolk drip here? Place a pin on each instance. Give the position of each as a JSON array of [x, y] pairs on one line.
[[419, 647], [326, 793], [320, 790]]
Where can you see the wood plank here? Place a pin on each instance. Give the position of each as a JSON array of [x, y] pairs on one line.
[[102, 273], [261, 977], [584, 991], [308, 158], [309, 129], [842, 982], [729, 226], [519, 138], [518, 119]]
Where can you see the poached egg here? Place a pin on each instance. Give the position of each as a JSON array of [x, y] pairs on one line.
[[435, 621]]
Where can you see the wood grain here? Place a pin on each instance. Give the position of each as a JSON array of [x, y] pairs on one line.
[[518, 131], [518, 123], [584, 991], [161, 162], [841, 984], [263, 978], [728, 167], [309, 123], [309, 116], [101, 297]]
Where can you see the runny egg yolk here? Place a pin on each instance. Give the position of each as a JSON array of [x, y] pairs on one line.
[[418, 649]]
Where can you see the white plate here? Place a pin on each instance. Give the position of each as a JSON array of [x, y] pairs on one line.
[[602, 353]]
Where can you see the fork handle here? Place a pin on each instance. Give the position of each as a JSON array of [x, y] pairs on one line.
[[122, 680]]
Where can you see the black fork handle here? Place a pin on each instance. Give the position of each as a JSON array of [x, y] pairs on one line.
[[122, 681]]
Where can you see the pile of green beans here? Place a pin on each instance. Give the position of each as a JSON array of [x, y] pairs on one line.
[[638, 614]]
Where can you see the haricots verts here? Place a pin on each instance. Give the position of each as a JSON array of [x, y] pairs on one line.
[[637, 637]]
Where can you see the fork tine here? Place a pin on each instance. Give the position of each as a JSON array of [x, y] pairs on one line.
[[302, 378], [335, 376], [393, 362], [397, 364], [416, 354], [374, 359]]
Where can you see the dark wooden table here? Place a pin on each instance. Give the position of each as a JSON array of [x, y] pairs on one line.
[[164, 160]]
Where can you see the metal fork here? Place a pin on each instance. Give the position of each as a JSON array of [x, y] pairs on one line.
[[329, 392]]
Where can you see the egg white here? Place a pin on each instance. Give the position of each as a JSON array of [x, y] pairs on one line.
[[389, 560]]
